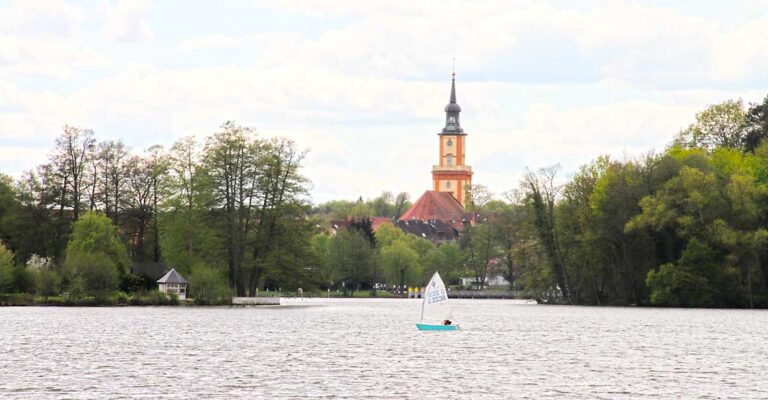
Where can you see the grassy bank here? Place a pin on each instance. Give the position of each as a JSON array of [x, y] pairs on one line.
[[114, 299]]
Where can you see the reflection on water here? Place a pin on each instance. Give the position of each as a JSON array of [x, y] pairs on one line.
[[371, 349]]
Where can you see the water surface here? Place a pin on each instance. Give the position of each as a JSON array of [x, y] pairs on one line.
[[371, 349]]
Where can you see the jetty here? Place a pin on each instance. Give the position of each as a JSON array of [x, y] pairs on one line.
[[256, 301]]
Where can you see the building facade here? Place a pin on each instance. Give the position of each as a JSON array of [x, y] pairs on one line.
[[451, 174]]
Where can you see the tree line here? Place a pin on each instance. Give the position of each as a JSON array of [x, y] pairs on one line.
[[685, 227], [234, 206]]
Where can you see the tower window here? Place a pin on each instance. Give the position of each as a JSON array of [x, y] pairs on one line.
[[449, 159], [448, 184], [449, 143]]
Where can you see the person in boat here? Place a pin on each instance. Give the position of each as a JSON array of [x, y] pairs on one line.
[[447, 322]]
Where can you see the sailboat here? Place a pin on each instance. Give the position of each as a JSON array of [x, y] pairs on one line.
[[435, 307]]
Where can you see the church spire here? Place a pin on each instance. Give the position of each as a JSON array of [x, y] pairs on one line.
[[453, 88], [452, 111]]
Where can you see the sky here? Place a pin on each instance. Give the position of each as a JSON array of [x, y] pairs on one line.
[[362, 84]]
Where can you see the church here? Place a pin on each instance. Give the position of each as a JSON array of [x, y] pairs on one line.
[[439, 213]]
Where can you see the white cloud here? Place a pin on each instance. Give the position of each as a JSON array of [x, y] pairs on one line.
[[48, 17], [739, 54], [127, 21], [365, 91]]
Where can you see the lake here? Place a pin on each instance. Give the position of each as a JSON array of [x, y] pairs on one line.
[[369, 348]]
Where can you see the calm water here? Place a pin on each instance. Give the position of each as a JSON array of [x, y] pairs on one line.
[[370, 349]]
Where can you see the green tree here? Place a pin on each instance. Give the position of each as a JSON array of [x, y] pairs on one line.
[[47, 280], [352, 258], [541, 195], [445, 258], [95, 271], [7, 275], [208, 285], [400, 263], [720, 125], [480, 245], [321, 256], [94, 233], [756, 125], [95, 255]]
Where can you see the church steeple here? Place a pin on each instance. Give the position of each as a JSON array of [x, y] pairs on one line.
[[451, 174], [452, 110]]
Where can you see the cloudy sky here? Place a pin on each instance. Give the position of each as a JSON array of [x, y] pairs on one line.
[[362, 84]]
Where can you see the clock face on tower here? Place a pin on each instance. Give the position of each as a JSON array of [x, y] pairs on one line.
[[449, 142]]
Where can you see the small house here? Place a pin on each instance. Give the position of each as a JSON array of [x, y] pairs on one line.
[[173, 282]]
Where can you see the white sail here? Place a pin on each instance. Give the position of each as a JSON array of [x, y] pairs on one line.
[[435, 307]]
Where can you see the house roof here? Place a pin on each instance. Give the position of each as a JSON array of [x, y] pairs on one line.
[[434, 230], [433, 205], [376, 222], [172, 277], [153, 270]]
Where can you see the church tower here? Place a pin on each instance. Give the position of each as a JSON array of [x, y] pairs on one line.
[[451, 175]]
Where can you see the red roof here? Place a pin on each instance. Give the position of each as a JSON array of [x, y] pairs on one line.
[[441, 206], [377, 221]]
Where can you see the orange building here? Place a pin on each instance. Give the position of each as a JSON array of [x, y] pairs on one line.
[[452, 175]]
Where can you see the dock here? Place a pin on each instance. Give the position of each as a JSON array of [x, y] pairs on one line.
[[256, 301]]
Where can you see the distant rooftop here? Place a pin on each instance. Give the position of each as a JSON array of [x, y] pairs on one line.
[[433, 205], [172, 277]]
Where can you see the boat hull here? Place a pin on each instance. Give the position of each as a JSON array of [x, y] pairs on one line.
[[440, 327]]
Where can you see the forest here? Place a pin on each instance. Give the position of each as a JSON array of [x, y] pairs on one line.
[[685, 227]]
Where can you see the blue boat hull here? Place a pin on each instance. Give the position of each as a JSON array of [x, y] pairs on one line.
[[441, 327]]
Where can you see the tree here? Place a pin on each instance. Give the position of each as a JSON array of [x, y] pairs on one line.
[[73, 151], [400, 263], [209, 286], [542, 193], [479, 244], [7, 276], [477, 197], [402, 203], [47, 279], [95, 255], [94, 233], [446, 258], [352, 258], [281, 191], [720, 125], [112, 167], [96, 273], [232, 160], [511, 224], [756, 125], [321, 256]]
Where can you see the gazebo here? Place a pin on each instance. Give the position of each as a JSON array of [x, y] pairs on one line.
[[173, 282]]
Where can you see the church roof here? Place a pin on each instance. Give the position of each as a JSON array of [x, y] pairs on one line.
[[433, 205], [452, 106], [452, 110]]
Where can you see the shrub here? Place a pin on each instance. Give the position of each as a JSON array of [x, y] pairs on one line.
[[132, 283], [75, 289], [47, 282], [7, 275], [122, 298], [94, 233], [97, 272], [209, 286]]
